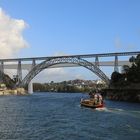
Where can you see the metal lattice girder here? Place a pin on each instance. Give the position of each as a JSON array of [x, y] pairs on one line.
[[71, 60], [33, 63], [97, 61]]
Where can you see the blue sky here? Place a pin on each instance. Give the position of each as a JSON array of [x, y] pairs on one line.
[[77, 26]]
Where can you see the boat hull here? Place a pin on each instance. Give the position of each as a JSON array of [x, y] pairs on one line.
[[89, 104]]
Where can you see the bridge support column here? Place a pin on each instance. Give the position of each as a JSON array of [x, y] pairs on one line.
[[30, 85], [1, 71], [19, 72], [33, 63], [116, 68], [97, 61], [30, 88]]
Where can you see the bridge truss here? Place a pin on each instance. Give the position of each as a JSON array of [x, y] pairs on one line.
[[70, 60], [46, 62]]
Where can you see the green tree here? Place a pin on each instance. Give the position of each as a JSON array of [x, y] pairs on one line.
[[115, 77], [125, 69], [129, 74], [134, 71]]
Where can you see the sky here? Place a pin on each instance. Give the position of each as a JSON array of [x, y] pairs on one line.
[[30, 28]]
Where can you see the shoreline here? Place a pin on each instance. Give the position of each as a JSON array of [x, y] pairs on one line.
[[125, 94], [17, 91]]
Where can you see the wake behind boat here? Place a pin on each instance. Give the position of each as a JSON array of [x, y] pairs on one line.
[[95, 101]]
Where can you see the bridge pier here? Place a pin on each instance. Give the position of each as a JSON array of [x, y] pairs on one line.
[[30, 88], [19, 72], [116, 68], [1, 71], [97, 61], [30, 85]]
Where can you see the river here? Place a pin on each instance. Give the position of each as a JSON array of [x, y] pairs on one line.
[[58, 116]]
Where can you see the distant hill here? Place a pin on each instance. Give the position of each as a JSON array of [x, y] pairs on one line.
[[70, 86]]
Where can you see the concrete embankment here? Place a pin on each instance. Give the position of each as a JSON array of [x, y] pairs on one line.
[[130, 95], [17, 91]]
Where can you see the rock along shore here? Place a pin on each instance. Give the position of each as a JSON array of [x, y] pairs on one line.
[[129, 95], [17, 91]]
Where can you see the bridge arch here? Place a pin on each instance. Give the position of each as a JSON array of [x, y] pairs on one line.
[[63, 60]]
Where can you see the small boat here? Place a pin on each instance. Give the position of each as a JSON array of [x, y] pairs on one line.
[[95, 102]]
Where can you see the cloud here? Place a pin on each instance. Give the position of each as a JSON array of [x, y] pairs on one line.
[[125, 47], [12, 41], [131, 47], [64, 74], [58, 74], [118, 43], [11, 38], [60, 54]]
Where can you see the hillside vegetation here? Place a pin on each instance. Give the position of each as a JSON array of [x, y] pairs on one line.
[[125, 86]]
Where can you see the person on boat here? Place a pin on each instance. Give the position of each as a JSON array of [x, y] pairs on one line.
[[99, 99], [95, 99], [91, 94]]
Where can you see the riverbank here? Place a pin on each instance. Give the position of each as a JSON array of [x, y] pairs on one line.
[[17, 91], [129, 95]]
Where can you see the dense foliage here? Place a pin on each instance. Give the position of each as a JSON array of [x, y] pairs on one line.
[[66, 86], [130, 74], [58, 87]]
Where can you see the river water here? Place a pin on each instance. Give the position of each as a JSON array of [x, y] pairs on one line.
[[58, 116]]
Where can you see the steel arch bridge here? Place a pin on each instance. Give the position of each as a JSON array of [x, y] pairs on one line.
[[70, 60]]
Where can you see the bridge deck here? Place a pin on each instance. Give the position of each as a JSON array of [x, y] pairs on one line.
[[102, 63], [78, 56]]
